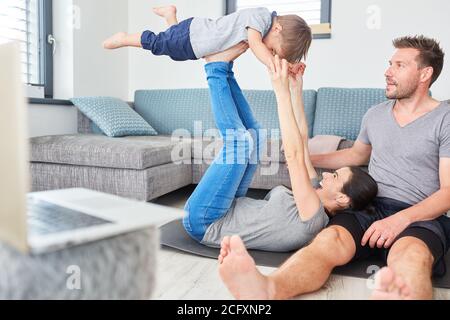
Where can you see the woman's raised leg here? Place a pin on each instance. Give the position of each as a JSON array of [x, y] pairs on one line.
[[254, 128], [216, 192]]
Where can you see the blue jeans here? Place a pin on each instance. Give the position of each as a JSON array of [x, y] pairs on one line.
[[231, 173], [175, 42]]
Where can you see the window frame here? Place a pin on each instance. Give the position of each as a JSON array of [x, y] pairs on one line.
[[320, 31], [45, 47]]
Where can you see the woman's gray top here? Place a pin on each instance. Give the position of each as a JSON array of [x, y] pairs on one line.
[[272, 224]]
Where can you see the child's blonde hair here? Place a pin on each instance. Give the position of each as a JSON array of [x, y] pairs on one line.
[[296, 37]]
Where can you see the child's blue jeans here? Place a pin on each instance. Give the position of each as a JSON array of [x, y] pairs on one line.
[[175, 42], [231, 173]]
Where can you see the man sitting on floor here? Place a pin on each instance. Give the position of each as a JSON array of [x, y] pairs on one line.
[[407, 140]]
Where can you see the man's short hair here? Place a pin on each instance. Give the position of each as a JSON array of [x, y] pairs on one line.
[[430, 53]]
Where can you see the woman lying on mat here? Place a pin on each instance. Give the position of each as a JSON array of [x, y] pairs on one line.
[[285, 220]]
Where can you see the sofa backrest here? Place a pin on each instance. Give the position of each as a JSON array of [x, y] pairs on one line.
[[330, 111], [339, 111], [169, 110]]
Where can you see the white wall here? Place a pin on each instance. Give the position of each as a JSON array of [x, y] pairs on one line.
[[147, 71], [96, 70], [356, 56], [63, 59], [81, 66]]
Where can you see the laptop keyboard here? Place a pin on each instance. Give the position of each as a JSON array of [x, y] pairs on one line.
[[47, 218]]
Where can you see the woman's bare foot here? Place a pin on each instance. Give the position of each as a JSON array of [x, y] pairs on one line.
[[116, 41], [238, 272], [389, 286], [169, 13], [228, 55]]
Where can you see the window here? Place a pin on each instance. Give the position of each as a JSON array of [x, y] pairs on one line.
[[30, 23], [316, 12]]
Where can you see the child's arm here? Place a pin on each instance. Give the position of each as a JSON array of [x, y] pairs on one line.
[[258, 47], [296, 84], [305, 196]]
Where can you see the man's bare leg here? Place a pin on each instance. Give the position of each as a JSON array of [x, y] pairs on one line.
[[408, 276], [169, 13], [306, 271], [123, 39]]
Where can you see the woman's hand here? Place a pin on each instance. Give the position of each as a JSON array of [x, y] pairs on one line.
[[296, 72], [228, 55], [279, 73]]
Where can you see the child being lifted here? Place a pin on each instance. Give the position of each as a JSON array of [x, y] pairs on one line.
[[267, 35]]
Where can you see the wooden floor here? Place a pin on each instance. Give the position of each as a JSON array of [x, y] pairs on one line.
[[185, 277]]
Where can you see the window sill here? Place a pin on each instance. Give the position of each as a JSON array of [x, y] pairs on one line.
[[50, 102], [321, 31]]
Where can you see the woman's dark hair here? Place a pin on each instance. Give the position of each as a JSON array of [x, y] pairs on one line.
[[361, 188]]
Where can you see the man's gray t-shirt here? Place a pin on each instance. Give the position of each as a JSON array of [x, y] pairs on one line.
[[210, 36], [405, 160], [272, 224]]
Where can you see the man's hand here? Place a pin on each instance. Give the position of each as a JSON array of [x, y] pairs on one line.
[[384, 232]]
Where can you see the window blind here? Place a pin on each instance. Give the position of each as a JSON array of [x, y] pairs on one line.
[[19, 21], [310, 10]]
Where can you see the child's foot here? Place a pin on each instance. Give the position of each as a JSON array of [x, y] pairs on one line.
[[116, 41], [169, 12], [238, 272], [389, 286]]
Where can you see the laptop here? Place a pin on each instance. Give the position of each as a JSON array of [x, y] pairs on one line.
[[41, 222]]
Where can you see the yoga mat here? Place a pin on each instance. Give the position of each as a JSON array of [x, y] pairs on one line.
[[174, 236]]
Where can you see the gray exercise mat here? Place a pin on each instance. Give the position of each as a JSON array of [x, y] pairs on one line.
[[174, 236]]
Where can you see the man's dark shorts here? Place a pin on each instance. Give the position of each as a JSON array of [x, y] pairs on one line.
[[435, 234]]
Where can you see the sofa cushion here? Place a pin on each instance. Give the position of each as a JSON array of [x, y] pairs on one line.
[[340, 111], [205, 150], [113, 116], [190, 109], [101, 151]]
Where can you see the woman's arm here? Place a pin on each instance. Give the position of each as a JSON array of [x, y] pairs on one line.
[[296, 84], [305, 196]]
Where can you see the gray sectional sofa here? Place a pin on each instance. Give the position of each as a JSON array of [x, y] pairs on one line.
[[145, 168]]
